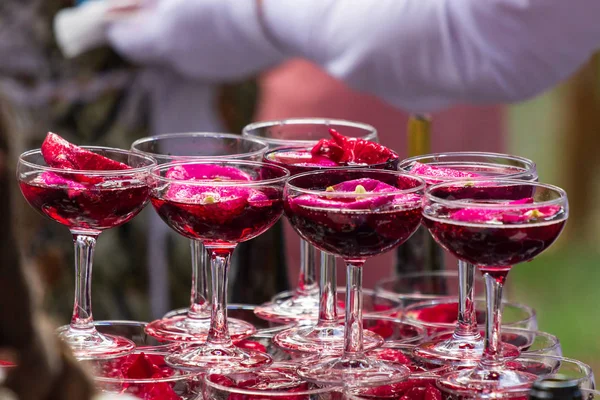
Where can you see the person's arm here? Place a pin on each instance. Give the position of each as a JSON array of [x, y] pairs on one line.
[[427, 54], [420, 55]]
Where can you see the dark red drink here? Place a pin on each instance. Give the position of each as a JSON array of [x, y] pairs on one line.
[[93, 206], [239, 219], [354, 226], [494, 246], [353, 233]]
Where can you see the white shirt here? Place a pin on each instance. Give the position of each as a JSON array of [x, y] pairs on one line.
[[420, 55]]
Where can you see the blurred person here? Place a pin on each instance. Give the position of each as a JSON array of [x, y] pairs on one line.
[[419, 55]]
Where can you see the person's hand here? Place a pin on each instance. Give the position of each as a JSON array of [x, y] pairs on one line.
[[207, 39]]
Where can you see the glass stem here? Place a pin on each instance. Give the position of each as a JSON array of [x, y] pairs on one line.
[[219, 261], [84, 255], [492, 352], [466, 328], [199, 305], [307, 282], [328, 296], [353, 330]]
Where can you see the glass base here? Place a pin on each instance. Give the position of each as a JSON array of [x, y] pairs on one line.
[[486, 380], [91, 344], [457, 352], [327, 339], [357, 372], [223, 359], [292, 309], [180, 328]]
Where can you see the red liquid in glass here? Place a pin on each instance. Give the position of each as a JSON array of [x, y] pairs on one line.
[[353, 234], [298, 161], [496, 247], [94, 207], [217, 225]]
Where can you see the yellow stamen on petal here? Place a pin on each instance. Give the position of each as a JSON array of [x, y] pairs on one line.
[[330, 189], [209, 200], [534, 214], [360, 189]]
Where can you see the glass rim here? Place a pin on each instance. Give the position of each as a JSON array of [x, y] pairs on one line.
[[155, 172], [381, 289], [508, 393], [497, 183], [525, 161], [289, 184], [124, 322], [316, 168], [180, 376], [131, 171], [246, 131], [583, 367], [532, 314], [553, 340], [264, 333], [421, 330], [354, 393], [269, 393], [217, 135]]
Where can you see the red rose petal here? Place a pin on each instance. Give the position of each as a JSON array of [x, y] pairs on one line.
[[347, 150], [433, 393], [393, 355], [141, 368], [441, 313]]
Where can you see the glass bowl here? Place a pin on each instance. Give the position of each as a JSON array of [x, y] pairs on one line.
[[440, 315], [383, 304], [528, 342], [416, 287], [145, 375], [244, 312], [134, 331]]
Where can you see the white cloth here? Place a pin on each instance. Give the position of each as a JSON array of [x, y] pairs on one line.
[[426, 54], [217, 40], [421, 55]]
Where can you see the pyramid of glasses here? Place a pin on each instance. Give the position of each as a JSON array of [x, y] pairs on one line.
[[428, 335]]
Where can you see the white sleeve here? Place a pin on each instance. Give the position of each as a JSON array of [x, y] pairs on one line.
[[422, 55], [212, 40]]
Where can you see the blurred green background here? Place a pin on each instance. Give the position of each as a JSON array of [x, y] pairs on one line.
[[563, 283]]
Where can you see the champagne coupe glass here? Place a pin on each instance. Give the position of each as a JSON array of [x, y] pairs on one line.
[[328, 333], [494, 225], [221, 203], [440, 315], [465, 346], [87, 202], [194, 323], [354, 214], [304, 302]]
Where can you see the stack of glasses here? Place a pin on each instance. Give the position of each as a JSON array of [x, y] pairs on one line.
[[414, 337]]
